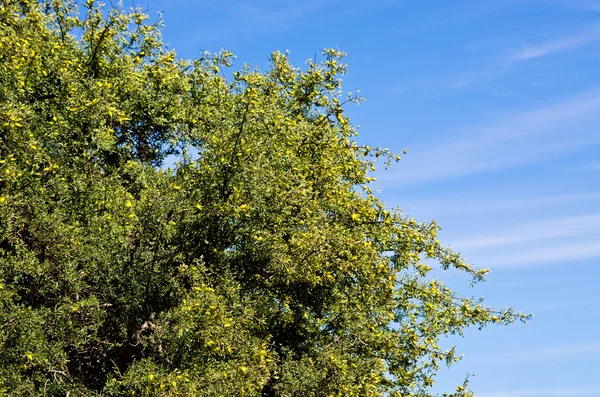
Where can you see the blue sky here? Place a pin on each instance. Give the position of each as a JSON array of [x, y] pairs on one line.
[[498, 103]]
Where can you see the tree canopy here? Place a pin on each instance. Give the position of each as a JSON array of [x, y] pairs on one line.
[[260, 264]]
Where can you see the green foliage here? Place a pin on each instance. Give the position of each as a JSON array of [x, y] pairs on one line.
[[263, 264]]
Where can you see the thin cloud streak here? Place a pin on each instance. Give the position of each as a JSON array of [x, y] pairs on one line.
[[547, 352], [569, 43], [547, 242], [451, 206], [579, 225], [569, 252], [500, 64], [526, 138]]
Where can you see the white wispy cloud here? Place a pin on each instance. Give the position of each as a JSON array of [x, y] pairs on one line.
[[579, 348], [504, 61], [568, 239], [578, 225], [548, 352], [544, 392], [560, 353], [531, 137], [556, 252], [486, 202], [557, 46]]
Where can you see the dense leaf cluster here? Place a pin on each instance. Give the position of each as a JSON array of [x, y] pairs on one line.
[[262, 264]]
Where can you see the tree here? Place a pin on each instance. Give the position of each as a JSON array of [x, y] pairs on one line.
[[261, 264]]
